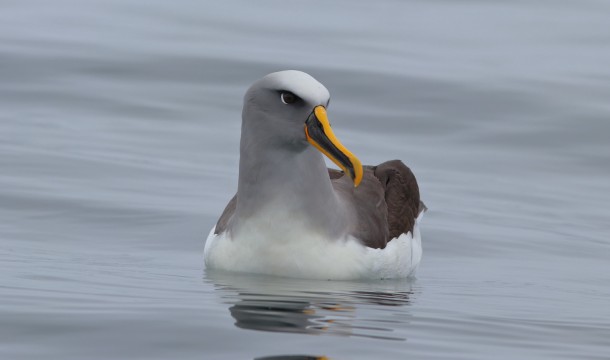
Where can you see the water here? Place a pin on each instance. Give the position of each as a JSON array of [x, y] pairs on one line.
[[119, 130]]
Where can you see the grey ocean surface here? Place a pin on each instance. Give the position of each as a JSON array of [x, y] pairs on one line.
[[119, 148]]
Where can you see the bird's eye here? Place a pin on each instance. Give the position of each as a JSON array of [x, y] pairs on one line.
[[288, 97]]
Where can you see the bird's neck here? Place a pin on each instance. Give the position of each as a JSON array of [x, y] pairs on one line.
[[288, 184]]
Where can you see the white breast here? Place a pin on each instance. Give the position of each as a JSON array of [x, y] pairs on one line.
[[274, 248]]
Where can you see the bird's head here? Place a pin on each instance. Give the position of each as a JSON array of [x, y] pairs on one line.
[[288, 108]]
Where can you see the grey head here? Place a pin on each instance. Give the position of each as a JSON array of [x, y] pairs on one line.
[[277, 106], [286, 110]]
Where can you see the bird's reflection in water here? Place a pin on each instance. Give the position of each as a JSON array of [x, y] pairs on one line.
[[315, 307]]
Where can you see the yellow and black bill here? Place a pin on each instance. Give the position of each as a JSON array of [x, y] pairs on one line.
[[320, 135]]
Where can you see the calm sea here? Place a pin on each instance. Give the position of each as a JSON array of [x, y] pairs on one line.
[[119, 133]]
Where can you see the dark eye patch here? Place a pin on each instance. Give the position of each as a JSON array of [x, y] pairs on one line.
[[288, 98]]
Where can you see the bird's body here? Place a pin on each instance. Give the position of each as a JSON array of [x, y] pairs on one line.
[[292, 216]]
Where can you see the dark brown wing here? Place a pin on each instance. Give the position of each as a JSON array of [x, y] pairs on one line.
[[223, 222], [401, 196], [368, 206], [386, 202]]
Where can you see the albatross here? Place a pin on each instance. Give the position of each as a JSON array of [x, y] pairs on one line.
[[292, 216]]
